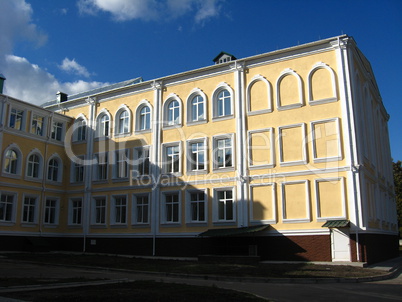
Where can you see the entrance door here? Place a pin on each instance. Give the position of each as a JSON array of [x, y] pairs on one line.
[[340, 244]]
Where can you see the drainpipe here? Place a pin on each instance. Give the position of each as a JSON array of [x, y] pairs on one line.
[[155, 167], [354, 167]]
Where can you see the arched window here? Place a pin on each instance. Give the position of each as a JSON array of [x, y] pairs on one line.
[[33, 167], [173, 113], [80, 130], [197, 109], [53, 170], [11, 162], [103, 125], [123, 120], [223, 102], [224, 106], [145, 118]]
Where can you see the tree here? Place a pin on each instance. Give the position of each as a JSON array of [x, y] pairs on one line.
[[397, 167]]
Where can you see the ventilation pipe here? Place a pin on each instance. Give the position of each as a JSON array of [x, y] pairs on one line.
[[2, 79]]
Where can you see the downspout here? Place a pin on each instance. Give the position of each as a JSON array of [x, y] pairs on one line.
[[49, 129], [354, 168], [88, 169], [155, 167]]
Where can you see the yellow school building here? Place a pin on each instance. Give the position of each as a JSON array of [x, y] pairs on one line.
[[283, 155]]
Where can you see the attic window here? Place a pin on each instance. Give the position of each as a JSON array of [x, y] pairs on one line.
[[224, 57]]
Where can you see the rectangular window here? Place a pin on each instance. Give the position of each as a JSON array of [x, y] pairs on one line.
[[223, 152], [142, 160], [99, 215], [6, 207], [102, 166], [196, 206], [57, 129], [50, 211], [121, 165], [225, 205], [120, 209], [172, 208], [78, 172], [37, 124], [172, 158], [16, 119], [197, 156], [28, 214], [141, 209], [76, 211]]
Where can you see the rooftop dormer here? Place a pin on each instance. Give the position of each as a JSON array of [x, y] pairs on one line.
[[224, 57]]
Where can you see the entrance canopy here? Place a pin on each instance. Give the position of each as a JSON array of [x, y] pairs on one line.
[[234, 231], [336, 224]]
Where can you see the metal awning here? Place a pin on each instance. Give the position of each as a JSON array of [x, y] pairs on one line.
[[336, 224], [234, 231]]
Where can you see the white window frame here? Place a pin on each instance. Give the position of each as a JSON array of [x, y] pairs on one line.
[[121, 159], [215, 151], [118, 121], [57, 127], [80, 129], [259, 78], [189, 203], [139, 117], [23, 118], [138, 161], [307, 189], [300, 102], [56, 212], [39, 165], [163, 216], [94, 212], [271, 163], [172, 124], [35, 209], [16, 149], [193, 94], [215, 210], [334, 98], [303, 161], [165, 146], [33, 129], [114, 209], [313, 138], [101, 127], [74, 167], [221, 87], [189, 160], [135, 209], [72, 211], [13, 208], [59, 169], [99, 166]]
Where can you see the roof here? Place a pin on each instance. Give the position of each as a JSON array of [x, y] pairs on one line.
[[224, 53], [336, 224], [234, 231], [98, 90]]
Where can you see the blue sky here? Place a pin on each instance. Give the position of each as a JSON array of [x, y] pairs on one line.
[[76, 45]]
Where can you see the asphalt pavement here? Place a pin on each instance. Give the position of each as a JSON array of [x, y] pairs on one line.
[[386, 288]]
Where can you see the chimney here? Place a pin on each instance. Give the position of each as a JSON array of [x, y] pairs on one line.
[[2, 79], [61, 97]]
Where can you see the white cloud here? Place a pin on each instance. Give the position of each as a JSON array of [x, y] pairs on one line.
[[30, 83], [26, 81], [72, 66], [16, 23], [123, 10]]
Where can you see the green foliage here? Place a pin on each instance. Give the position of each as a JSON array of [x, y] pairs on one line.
[[398, 191]]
